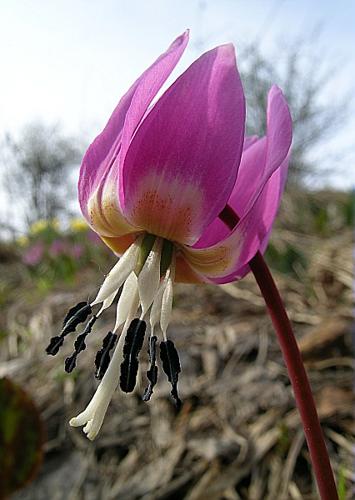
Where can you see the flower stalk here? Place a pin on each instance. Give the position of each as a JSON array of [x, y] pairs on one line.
[[295, 368]]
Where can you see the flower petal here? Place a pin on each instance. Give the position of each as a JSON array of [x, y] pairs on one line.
[[119, 245], [98, 189], [242, 192], [182, 163], [259, 161], [184, 272], [249, 141], [265, 208], [228, 260], [265, 156]]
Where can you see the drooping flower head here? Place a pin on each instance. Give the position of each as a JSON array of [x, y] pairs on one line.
[[153, 186]]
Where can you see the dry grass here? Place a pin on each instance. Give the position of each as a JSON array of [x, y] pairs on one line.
[[238, 435]]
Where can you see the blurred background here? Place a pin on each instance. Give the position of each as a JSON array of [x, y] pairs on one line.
[[64, 67]]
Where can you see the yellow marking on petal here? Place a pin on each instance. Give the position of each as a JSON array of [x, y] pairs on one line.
[[167, 208], [213, 262], [121, 244], [184, 273], [105, 215]]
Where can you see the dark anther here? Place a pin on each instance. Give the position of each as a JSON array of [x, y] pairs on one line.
[[152, 373], [54, 345], [79, 345], [70, 362], [133, 344], [102, 359], [76, 315], [171, 366]]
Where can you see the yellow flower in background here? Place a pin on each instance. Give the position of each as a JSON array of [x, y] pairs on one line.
[[43, 224], [78, 224], [38, 226], [54, 223], [22, 241]]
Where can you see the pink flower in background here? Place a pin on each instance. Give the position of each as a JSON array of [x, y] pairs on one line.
[[94, 237], [33, 255], [76, 251], [153, 185], [57, 248]]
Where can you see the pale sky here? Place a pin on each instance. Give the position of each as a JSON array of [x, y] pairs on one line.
[[69, 61]]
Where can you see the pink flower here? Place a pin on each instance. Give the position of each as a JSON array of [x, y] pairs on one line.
[[58, 247], [153, 185], [77, 251], [94, 237], [170, 169], [33, 254]]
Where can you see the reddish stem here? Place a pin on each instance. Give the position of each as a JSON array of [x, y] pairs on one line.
[[296, 371]]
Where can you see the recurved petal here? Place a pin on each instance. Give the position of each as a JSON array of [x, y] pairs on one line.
[[260, 159], [265, 156], [98, 181], [182, 163], [253, 159], [266, 207], [228, 260]]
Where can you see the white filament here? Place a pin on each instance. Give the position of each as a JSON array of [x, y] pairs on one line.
[[126, 300], [155, 311], [167, 299], [119, 273], [107, 302], [166, 307], [149, 277]]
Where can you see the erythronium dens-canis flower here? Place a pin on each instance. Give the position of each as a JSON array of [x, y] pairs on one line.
[[153, 185]]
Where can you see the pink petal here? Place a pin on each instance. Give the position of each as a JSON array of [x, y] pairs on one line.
[[182, 163], [228, 260], [259, 160], [100, 164], [266, 207], [255, 198], [249, 141]]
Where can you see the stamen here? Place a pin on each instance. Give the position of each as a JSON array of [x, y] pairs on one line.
[[133, 344], [107, 302], [166, 306], [167, 299], [126, 300], [149, 277], [119, 273], [55, 344], [75, 315], [155, 311], [102, 359], [171, 366], [79, 345], [152, 373]]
